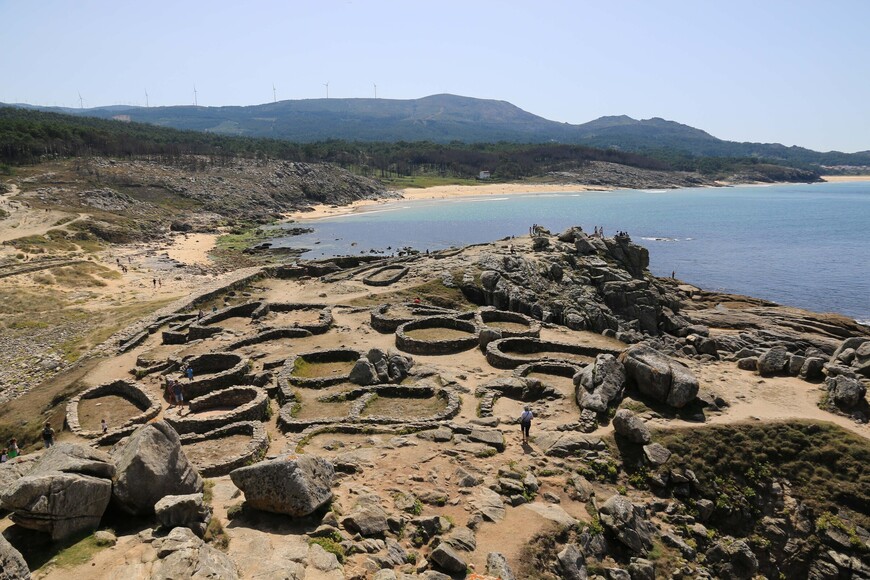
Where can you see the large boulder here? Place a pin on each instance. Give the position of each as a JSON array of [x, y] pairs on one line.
[[183, 555], [627, 523], [12, 564], [151, 465], [186, 511], [289, 484], [600, 384], [630, 426], [368, 518], [64, 493], [731, 558], [572, 563], [773, 362], [659, 376], [846, 392]]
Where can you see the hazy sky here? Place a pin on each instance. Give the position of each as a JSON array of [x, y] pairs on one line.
[[795, 72]]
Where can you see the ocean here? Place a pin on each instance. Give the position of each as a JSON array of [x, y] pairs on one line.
[[804, 245]]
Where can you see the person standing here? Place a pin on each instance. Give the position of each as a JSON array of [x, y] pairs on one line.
[[13, 450], [48, 435], [189, 373], [178, 392], [526, 422], [104, 426]]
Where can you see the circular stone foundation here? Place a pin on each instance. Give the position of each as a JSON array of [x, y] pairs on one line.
[[385, 276], [509, 353], [213, 371], [136, 404], [386, 318], [315, 318], [319, 368], [509, 324], [222, 450], [437, 335], [220, 408]]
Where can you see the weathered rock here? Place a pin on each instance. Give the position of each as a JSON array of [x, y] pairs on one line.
[[490, 437], [563, 444], [368, 518], [600, 384], [183, 555], [187, 511], [580, 489], [363, 373], [12, 564], [658, 376], [572, 563], [630, 426], [289, 484], [641, 569], [151, 465], [497, 565], [812, 369], [846, 392], [656, 454], [461, 538], [627, 523], [320, 559], [773, 362], [731, 558], [749, 363], [105, 538], [448, 559], [64, 493]]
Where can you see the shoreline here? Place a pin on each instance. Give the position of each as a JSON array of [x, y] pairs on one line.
[[321, 211]]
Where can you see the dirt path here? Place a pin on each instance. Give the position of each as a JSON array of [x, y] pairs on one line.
[[24, 221]]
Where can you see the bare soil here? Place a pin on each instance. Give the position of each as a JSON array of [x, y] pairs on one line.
[[507, 325], [404, 407], [214, 450], [311, 370], [113, 408], [436, 334]]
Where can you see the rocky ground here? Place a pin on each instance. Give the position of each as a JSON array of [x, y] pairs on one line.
[[412, 464]]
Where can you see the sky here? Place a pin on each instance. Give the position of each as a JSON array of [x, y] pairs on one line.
[[794, 72]]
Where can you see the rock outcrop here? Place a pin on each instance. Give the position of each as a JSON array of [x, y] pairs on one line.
[[12, 564], [183, 555], [600, 384], [289, 484], [151, 465], [659, 376], [627, 523], [65, 492]]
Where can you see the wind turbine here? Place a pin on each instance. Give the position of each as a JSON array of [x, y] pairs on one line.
[[81, 101], [326, 84], [376, 90], [146, 97], [195, 103], [274, 94]]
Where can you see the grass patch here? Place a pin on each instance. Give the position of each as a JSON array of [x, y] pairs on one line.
[[216, 535], [78, 553], [826, 465], [331, 546], [432, 292], [420, 181]]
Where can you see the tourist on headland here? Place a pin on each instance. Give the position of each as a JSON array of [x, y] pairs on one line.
[[189, 373], [13, 451], [4, 456], [48, 435], [526, 422], [104, 426]]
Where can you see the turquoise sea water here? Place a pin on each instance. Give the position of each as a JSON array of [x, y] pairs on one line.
[[799, 245]]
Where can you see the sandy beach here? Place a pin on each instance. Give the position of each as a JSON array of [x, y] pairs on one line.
[[444, 192], [845, 178], [192, 248]]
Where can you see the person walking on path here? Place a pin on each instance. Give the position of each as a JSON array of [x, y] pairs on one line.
[[526, 423], [178, 393], [48, 435], [104, 426], [189, 373]]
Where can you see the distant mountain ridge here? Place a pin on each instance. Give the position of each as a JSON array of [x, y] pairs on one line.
[[444, 118]]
